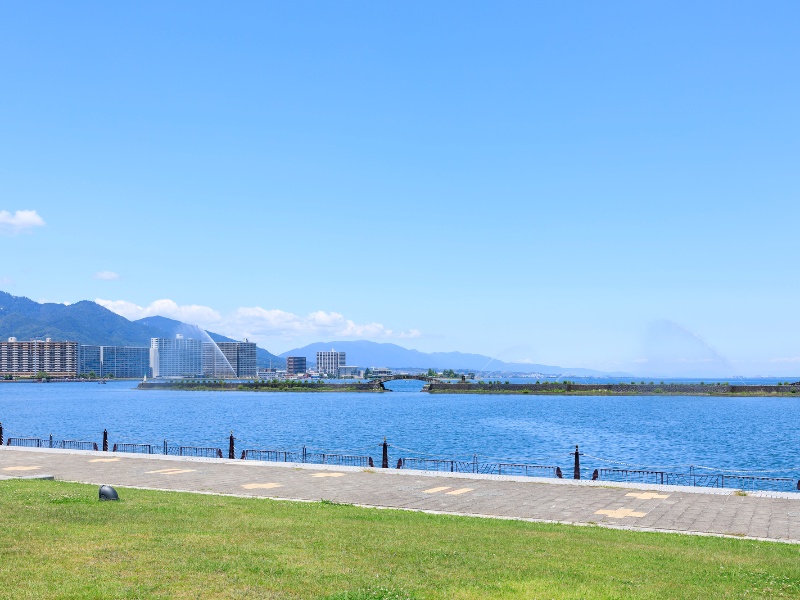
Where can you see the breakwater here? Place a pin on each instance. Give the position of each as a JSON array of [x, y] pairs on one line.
[[258, 386], [484, 387], [615, 389]]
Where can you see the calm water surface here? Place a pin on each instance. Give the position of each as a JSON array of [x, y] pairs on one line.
[[728, 433]]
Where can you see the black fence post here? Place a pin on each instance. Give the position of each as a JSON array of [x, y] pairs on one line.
[[231, 450], [1, 434], [51, 440], [105, 440], [385, 463], [165, 447], [577, 473]]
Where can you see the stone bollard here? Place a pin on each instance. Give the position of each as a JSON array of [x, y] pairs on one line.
[[385, 463], [577, 472], [231, 450], [105, 440], [559, 474], [595, 475]]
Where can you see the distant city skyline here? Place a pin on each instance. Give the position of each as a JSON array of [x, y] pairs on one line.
[[610, 187]]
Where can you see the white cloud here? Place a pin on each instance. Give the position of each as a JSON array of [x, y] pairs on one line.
[[106, 275], [260, 324], [788, 359], [19, 222]]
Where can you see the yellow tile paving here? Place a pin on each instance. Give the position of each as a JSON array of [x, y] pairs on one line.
[[94, 460], [436, 489], [261, 486], [21, 468], [620, 513], [328, 475], [647, 495], [459, 491], [172, 471]]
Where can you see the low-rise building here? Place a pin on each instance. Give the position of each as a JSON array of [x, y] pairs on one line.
[[349, 372], [380, 372]]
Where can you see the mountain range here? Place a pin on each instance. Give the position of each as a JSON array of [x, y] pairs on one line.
[[364, 353], [87, 322]]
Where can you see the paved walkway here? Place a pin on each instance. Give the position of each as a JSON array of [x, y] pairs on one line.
[[676, 509]]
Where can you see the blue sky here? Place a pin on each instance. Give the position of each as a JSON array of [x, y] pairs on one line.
[[607, 185]]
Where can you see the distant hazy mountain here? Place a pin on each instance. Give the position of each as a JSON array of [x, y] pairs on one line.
[[89, 323], [372, 354]]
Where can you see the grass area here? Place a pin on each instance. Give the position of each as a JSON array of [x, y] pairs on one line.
[[58, 541]]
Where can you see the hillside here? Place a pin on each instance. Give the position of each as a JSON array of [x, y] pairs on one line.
[[84, 322], [89, 323]]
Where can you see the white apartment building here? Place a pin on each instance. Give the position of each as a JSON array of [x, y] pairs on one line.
[[176, 357], [328, 363]]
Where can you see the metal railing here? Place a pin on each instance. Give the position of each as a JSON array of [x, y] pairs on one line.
[[77, 445], [272, 455], [695, 479], [303, 456], [475, 466], [29, 442], [199, 452], [137, 448], [51, 443], [681, 475]]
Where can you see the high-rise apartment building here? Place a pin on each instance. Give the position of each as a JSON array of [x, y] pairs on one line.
[[229, 359], [57, 359], [328, 363], [176, 357], [132, 362], [90, 360], [125, 361], [295, 365]]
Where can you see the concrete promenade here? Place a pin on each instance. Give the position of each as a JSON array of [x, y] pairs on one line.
[[701, 511]]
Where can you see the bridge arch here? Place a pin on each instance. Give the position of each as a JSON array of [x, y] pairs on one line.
[[379, 381]]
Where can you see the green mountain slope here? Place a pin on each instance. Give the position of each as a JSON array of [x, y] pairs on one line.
[[89, 323]]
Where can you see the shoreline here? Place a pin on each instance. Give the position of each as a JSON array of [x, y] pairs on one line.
[[536, 389]]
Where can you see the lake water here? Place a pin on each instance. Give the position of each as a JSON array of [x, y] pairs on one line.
[[727, 433]]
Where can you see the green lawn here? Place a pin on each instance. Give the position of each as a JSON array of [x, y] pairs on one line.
[[58, 540]]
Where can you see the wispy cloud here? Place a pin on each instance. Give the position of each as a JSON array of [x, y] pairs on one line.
[[260, 324], [22, 221], [106, 275]]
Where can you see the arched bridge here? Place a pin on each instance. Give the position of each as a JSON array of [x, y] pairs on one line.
[[379, 381]]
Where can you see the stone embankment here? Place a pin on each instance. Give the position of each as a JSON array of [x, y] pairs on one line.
[[616, 389], [251, 386]]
